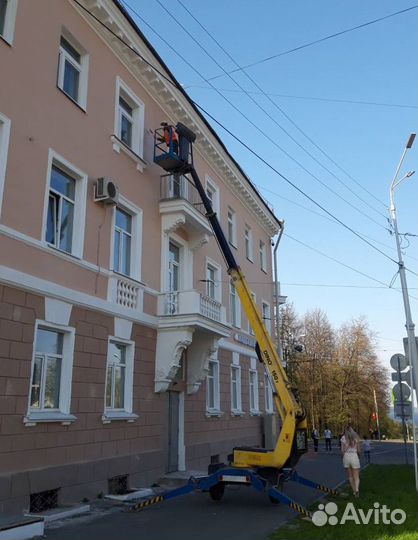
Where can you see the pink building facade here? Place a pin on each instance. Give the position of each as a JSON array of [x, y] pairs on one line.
[[124, 351]]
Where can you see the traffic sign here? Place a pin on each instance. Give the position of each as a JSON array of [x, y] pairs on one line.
[[399, 361], [407, 409], [401, 391], [404, 375]]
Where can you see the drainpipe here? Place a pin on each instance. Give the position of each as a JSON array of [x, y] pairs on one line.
[[276, 293]]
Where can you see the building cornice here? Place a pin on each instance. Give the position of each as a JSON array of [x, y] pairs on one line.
[[174, 101]]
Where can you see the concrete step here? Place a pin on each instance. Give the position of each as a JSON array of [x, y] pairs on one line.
[[179, 478], [20, 527]]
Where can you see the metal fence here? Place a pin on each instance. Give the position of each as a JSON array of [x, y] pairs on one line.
[[177, 186], [43, 500]]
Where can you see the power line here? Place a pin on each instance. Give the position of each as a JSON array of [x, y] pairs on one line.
[[285, 114], [311, 98], [268, 137], [320, 40], [260, 158]]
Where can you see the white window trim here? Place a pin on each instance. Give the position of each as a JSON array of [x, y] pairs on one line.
[[267, 322], [127, 414], [254, 411], [62, 415], [236, 365], [81, 179], [249, 329], [250, 255], [186, 262], [262, 255], [218, 284], [136, 152], [5, 125], [232, 241], [9, 22], [83, 67], [216, 202], [216, 410], [136, 242], [268, 391], [237, 308]]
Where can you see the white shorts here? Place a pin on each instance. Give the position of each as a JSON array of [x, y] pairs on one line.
[[350, 459]]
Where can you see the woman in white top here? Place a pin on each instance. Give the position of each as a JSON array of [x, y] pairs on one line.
[[350, 450]]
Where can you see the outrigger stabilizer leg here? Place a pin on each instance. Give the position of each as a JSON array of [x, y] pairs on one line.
[[215, 485]]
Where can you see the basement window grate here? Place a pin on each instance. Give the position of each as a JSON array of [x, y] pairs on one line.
[[214, 459], [44, 500], [118, 485]]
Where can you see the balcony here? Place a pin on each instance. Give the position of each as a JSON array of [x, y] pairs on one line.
[[181, 206], [190, 304], [125, 292]]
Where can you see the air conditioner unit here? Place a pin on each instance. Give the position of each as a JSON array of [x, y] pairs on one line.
[[105, 191]]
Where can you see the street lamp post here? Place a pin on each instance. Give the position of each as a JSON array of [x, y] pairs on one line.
[[410, 327]]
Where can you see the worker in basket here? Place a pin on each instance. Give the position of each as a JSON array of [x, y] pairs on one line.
[[169, 134]]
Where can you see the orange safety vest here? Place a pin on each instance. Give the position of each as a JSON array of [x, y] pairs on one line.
[[167, 135]]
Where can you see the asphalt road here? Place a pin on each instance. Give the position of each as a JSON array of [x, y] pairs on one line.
[[243, 513]]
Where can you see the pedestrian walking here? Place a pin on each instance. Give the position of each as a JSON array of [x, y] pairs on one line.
[[350, 450], [315, 438], [366, 448], [328, 439]]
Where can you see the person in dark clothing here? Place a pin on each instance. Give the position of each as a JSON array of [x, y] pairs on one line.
[[328, 439]]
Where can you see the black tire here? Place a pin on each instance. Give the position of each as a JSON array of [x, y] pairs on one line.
[[217, 491], [273, 500]]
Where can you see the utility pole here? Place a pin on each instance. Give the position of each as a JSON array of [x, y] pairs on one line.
[[410, 327]]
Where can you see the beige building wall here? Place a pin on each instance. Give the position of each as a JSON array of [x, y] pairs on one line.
[[41, 125]]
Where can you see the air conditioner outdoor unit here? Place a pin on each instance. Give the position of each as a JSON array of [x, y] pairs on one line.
[[105, 191]]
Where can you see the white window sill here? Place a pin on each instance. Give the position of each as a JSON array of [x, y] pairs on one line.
[[269, 413], [43, 417], [59, 251], [255, 413], [237, 413], [119, 145], [81, 106], [213, 413], [124, 416]]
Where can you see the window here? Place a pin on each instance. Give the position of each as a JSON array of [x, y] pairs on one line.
[[65, 206], [8, 9], [129, 123], [61, 202], [268, 394], [122, 242], [250, 328], [212, 193], [236, 406], [119, 381], [232, 227], [253, 379], [212, 387], [248, 235], [234, 306], [73, 70], [4, 145], [262, 252], [266, 315], [210, 281], [50, 386]]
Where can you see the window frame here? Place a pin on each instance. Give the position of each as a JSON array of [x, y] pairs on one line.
[[254, 407], [215, 410], [236, 411], [249, 245], [268, 394], [218, 279], [214, 188], [138, 108], [266, 316], [62, 413], [126, 413], [80, 200], [234, 316], [82, 67], [9, 22], [136, 214], [232, 226], [263, 256], [5, 125]]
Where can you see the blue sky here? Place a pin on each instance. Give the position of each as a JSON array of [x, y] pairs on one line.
[[377, 64]]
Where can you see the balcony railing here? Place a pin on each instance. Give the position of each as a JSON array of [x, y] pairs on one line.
[[188, 303], [176, 186]]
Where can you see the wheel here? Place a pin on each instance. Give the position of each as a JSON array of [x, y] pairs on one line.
[[273, 500], [216, 492]]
